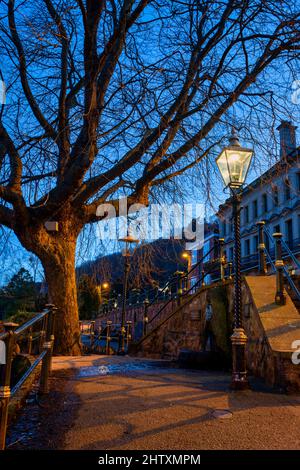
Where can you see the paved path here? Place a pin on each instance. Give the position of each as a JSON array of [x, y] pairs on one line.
[[124, 403], [139, 405]]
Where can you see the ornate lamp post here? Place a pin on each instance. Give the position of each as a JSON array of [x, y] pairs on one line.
[[233, 163], [129, 242], [188, 257]]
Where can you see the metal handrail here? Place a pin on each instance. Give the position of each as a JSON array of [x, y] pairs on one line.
[[286, 272], [285, 245], [200, 280], [178, 307], [10, 337], [31, 322], [185, 276], [28, 373], [291, 282]]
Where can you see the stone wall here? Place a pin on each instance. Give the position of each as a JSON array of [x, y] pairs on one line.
[[185, 328], [271, 330]]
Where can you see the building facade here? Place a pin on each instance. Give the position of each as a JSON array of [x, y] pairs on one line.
[[274, 197], [207, 254]]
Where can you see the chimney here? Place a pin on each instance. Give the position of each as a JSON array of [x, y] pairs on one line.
[[287, 133]]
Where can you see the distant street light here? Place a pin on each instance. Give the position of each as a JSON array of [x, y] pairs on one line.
[[233, 163], [130, 242], [102, 287]]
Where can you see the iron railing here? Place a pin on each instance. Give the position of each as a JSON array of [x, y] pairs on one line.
[[35, 339], [102, 340], [288, 254]]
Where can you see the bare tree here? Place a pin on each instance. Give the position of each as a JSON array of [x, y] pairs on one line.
[[118, 97]]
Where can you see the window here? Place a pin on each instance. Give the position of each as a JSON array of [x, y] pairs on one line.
[[247, 247], [275, 197], [206, 248], [265, 203], [276, 229], [255, 211], [194, 256], [246, 214], [287, 189]]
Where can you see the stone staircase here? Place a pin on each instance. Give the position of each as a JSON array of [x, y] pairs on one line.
[[292, 294], [272, 330], [182, 329]]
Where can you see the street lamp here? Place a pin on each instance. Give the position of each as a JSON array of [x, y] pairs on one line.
[[233, 163], [102, 287], [129, 241]]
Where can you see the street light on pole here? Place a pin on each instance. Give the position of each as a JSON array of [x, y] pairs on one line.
[[188, 257], [130, 242], [102, 287], [233, 163]]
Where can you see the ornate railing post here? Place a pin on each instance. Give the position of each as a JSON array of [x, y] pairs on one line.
[[128, 333], [230, 271], [145, 316], [262, 265], [5, 375], [108, 337], [30, 341], [222, 258], [42, 336], [179, 275], [280, 297], [92, 333], [203, 278], [48, 348]]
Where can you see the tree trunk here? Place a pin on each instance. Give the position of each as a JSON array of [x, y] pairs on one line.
[[61, 279]]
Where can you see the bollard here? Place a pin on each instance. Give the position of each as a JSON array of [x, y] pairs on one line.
[[48, 348], [5, 375], [280, 297], [262, 265], [108, 338], [222, 258], [145, 317]]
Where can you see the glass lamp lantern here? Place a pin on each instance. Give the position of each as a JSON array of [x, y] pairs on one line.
[[234, 162], [129, 243]]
